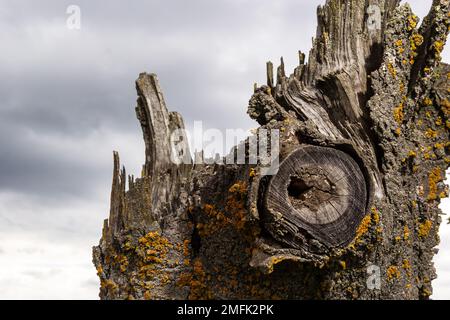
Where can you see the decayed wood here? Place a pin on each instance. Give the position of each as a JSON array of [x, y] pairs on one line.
[[364, 145]]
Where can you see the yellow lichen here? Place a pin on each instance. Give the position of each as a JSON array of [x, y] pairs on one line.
[[147, 295], [430, 133], [399, 42], [439, 146], [392, 70], [412, 22], [398, 114], [445, 107], [427, 102], [392, 272], [407, 267], [434, 178], [186, 248], [152, 250], [425, 228], [236, 204], [109, 285], [375, 215], [99, 271], [364, 226], [438, 47], [416, 41], [123, 262], [405, 233]]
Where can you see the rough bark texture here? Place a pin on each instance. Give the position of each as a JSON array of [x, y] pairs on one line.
[[364, 146]]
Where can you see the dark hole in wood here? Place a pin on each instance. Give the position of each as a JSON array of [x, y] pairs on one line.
[[298, 188]]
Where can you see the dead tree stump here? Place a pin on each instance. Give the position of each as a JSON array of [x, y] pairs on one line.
[[352, 212]]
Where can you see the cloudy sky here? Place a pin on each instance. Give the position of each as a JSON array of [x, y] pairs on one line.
[[67, 100]]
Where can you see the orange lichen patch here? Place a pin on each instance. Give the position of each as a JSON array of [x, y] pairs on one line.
[[122, 260], [427, 102], [424, 292], [392, 70], [197, 282], [235, 212], [398, 114], [375, 215], [236, 204], [392, 272], [439, 121], [217, 220], [434, 178], [108, 285], [364, 226], [405, 233], [273, 262], [152, 249], [147, 295], [407, 267], [425, 228], [343, 264], [416, 41], [412, 22], [398, 131], [99, 271], [438, 47], [252, 173], [430, 133], [239, 188], [399, 43], [445, 107], [186, 247], [439, 146]]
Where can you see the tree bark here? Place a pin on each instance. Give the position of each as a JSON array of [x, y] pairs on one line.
[[352, 212]]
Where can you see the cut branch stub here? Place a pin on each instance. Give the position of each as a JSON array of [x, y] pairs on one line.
[[317, 197]]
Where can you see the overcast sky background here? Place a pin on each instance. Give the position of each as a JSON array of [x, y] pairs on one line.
[[67, 100]]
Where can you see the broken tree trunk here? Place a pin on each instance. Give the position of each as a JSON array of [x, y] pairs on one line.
[[352, 211]]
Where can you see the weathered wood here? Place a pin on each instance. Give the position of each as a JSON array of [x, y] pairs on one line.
[[364, 145], [318, 194]]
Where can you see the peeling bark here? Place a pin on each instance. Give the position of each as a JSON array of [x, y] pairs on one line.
[[364, 146]]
